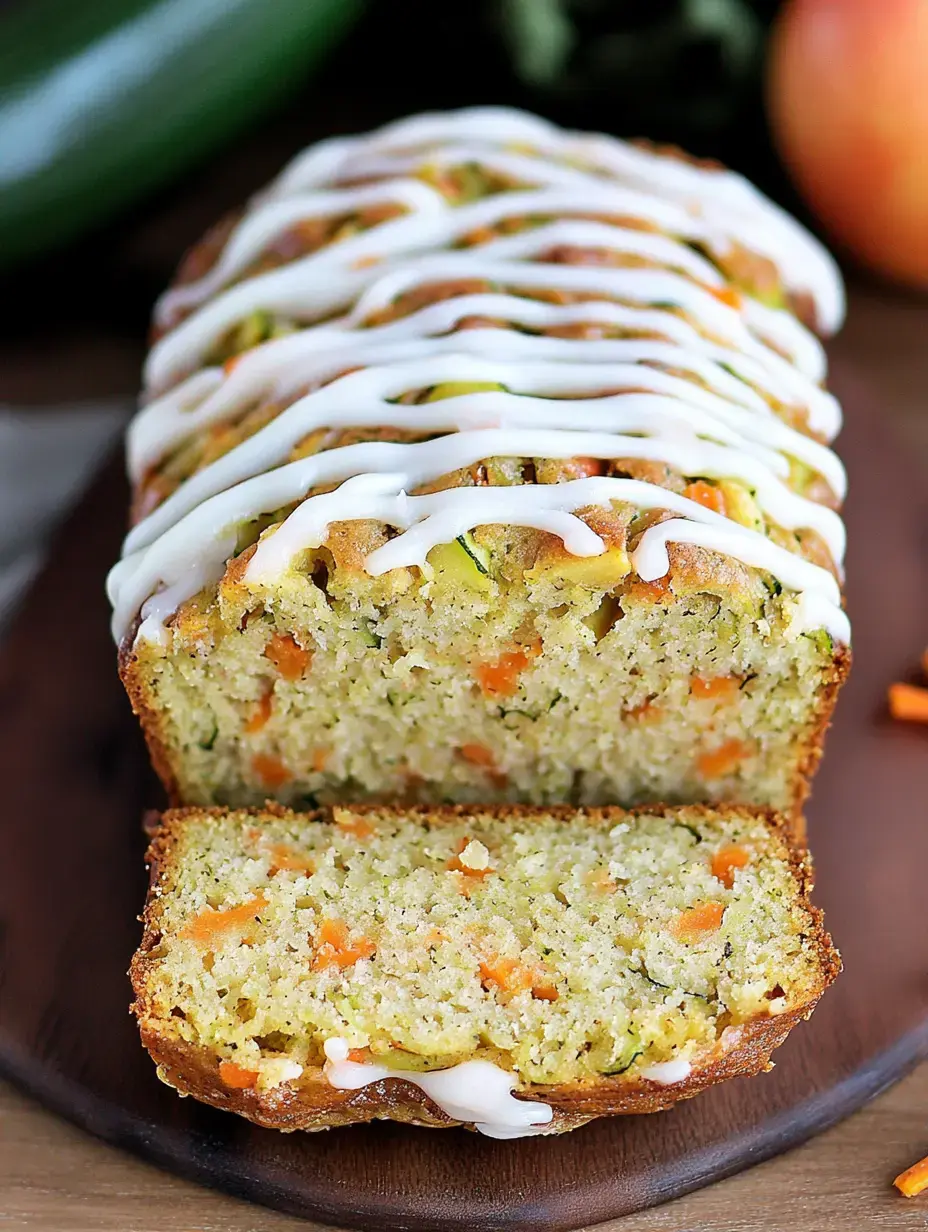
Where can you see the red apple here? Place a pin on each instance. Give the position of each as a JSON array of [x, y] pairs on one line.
[[847, 95]]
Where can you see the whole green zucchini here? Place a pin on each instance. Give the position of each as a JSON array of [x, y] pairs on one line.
[[102, 100]]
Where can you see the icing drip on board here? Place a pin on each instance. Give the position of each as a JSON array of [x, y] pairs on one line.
[[699, 385]]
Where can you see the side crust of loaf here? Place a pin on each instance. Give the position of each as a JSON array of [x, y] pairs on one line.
[[310, 1103]]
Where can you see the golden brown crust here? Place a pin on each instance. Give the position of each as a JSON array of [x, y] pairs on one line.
[[149, 717], [309, 1103]]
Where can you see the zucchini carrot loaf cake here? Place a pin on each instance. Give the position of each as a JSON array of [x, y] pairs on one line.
[[482, 460], [516, 970]]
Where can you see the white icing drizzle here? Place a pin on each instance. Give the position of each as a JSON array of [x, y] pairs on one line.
[[279, 367], [364, 397], [707, 192], [667, 1072], [193, 553], [474, 1092], [695, 394], [259, 229]]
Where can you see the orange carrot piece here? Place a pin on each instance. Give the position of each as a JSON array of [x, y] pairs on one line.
[[728, 295], [512, 977], [908, 702], [707, 495], [702, 918], [260, 714], [210, 924], [334, 950], [716, 763], [647, 712], [352, 824], [270, 770], [588, 467], [234, 1076], [287, 655], [914, 1180], [705, 688], [320, 759], [285, 860], [509, 975], [726, 860], [544, 988], [360, 1055], [501, 678], [478, 755]]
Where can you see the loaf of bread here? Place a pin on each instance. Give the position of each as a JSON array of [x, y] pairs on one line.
[[480, 461], [515, 970]]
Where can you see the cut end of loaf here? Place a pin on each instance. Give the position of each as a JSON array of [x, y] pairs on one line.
[[608, 961], [329, 688]]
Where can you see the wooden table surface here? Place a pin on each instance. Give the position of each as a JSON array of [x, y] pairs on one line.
[[54, 1178]]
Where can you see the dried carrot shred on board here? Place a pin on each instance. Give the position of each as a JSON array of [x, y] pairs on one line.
[[234, 1076], [701, 918], [908, 702], [726, 860], [914, 1180]]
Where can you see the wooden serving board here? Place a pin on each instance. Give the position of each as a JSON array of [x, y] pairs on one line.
[[75, 783]]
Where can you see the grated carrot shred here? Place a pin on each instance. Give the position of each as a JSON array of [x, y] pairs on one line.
[[285, 859], [727, 295], [500, 678], [260, 714], [333, 948], [236, 1077], [914, 1180], [704, 688], [726, 860], [701, 918], [210, 924], [478, 755], [351, 823], [270, 770], [288, 656], [716, 763], [707, 495]]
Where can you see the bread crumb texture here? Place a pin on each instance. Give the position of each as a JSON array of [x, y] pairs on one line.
[[562, 946], [529, 691]]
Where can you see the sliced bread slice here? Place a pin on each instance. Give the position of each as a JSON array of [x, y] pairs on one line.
[[515, 970]]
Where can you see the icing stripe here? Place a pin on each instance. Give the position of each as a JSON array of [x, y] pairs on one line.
[[699, 385], [364, 397]]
